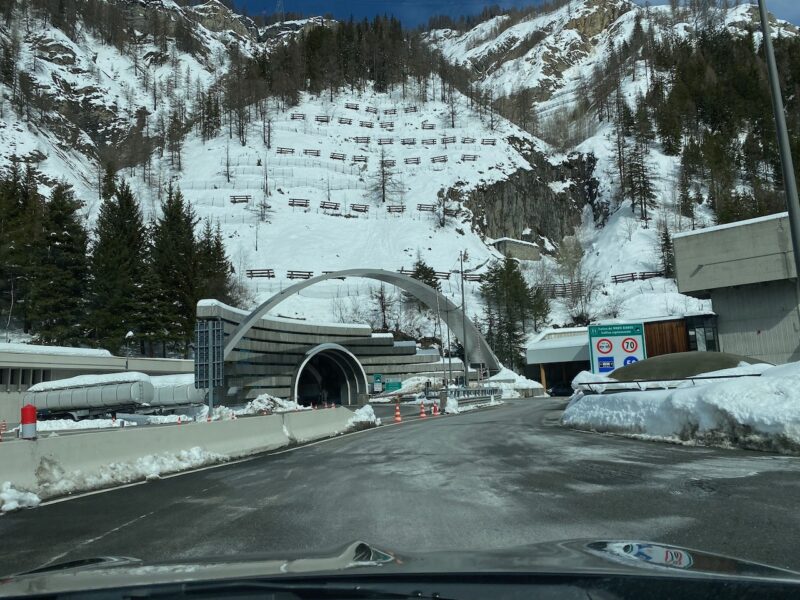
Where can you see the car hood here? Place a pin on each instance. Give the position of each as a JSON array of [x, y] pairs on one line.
[[578, 557]]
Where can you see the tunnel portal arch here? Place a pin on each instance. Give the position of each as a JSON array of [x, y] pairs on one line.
[[329, 373], [476, 344]]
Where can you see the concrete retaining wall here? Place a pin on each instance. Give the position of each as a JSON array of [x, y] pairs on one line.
[[30, 465]]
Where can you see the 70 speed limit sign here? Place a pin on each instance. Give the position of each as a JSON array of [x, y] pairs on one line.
[[615, 346]]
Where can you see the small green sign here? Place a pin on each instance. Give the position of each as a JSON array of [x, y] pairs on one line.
[[393, 386], [377, 378]]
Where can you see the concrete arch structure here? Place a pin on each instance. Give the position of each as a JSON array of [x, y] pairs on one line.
[[354, 382], [479, 350]]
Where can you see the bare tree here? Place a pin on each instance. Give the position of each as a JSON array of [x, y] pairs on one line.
[[385, 184]]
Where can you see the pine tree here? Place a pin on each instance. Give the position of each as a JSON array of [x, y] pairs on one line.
[[666, 250], [214, 270], [509, 300], [118, 270], [174, 263], [58, 286], [424, 273]]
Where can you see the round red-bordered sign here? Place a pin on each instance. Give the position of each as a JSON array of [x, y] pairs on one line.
[[604, 346], [630, 345]]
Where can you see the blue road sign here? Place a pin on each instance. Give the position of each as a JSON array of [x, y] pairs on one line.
[[630, 360], [605, 364]]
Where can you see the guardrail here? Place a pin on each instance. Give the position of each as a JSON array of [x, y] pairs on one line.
[[667, 384]]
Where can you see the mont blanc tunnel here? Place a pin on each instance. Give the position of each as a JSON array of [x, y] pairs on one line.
[[320, 363]]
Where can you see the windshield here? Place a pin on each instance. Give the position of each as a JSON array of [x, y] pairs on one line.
[[278, 279]]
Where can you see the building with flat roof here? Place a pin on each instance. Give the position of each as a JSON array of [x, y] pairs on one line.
[[519, 249], [747, 270], [555, 356]]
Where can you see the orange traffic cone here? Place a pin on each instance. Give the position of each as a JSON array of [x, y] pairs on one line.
[[180, 422], [435, 412], [397, 417], [422, 414]]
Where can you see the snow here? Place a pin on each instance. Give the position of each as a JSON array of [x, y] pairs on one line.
[[57, 350], [318, 240], [12, 499], [756, 412], [270, 404], [70, 425], [160, 381], [509, 382], [89, 380], [364, 416], [55, 481]]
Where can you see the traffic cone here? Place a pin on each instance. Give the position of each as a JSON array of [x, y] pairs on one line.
[[179, 420], [422, 414], [435, 412], [397, 417]]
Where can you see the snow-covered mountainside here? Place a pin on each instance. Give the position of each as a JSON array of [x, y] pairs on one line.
[[551, 56], [107, 85], [103, 83]]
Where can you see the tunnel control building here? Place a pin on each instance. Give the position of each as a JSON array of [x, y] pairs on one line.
[[290, 358]]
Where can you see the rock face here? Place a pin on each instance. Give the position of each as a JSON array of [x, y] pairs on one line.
[[528, 199], [215, 16]]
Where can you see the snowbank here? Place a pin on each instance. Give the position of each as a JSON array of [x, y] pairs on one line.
[[69, 424], [56, 482], [87, 380], [269, 404], [509, 381], [364, 417], [760, 413], [11, 499]]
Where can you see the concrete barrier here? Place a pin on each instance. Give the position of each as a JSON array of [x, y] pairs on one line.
[[35, 465], [96, 459], [308, 425]]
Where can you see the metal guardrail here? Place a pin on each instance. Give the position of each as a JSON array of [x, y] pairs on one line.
[[669, 384]]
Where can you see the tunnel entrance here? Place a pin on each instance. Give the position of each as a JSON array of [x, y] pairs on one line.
[[329, 374]]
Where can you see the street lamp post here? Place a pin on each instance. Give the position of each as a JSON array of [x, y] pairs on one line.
[[789, 183]]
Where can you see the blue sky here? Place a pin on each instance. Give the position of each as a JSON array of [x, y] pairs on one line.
[[416, 12]]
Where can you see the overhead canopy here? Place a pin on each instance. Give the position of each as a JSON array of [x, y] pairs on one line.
[[564, 348]]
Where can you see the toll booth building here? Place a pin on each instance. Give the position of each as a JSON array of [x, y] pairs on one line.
[[747, 271], [556, 356]]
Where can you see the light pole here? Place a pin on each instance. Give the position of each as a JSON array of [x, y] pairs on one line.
[[789, 183]]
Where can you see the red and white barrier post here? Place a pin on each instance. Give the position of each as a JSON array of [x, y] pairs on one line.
[[28, 422]]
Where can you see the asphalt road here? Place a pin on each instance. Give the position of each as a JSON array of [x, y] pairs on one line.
[[492, 478]]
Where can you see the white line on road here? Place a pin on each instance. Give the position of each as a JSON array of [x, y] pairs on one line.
[[234, 462]]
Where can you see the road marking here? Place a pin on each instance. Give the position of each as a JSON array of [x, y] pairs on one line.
[[234, 462], [99, 537]]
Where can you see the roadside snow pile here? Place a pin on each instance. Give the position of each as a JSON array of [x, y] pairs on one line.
[[759, 413], [69, 424], [509, 381], [411, 385], [269, 404], [54, 481], [363, 418], [451, 406], [11, 499]]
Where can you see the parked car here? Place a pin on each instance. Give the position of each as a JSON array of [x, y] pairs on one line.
[[561, 389]]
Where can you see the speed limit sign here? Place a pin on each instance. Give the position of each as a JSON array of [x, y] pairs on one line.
[[630, 345]]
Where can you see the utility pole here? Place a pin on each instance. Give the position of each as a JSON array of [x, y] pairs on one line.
[[439, 322], [789, 183], [464, 322]]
